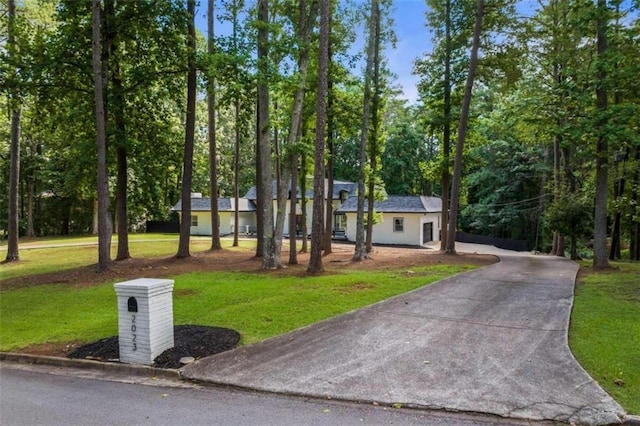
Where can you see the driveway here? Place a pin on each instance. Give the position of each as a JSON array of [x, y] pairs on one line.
[[493, 340]]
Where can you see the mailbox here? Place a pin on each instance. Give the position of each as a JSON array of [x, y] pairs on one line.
[[132, 304], [145, 319]]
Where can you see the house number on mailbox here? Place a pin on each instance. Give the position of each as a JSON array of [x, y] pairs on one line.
[[133, 329], [132, 306]]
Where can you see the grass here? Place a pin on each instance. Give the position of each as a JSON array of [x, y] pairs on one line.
[[604, 333], [257, 305], [38, 257], [605, 330]]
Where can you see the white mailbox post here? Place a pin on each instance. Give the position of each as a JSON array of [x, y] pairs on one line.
[[145, 319]]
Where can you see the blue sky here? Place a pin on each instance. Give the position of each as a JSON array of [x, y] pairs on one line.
[[413, 40]]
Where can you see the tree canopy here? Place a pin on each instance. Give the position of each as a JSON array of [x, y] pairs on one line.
[[552, 147]]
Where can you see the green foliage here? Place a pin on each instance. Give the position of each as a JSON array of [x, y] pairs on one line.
[[570, 214], [405, 144], [504, 191], [536, 88], [605, 330]]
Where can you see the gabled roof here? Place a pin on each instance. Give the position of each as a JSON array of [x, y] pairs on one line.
[[396, 204], [338, 187], [200, 204]]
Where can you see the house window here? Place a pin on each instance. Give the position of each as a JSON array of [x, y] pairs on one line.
[[194, 220], [398, 224], [340, 222]]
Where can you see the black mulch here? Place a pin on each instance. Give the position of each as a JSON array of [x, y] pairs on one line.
[[195, 341]]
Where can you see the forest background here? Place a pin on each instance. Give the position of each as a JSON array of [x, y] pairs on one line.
[[552, 147]]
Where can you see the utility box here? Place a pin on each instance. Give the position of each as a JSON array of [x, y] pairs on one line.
[[145, 319]]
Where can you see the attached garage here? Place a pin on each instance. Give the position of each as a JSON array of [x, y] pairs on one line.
[[403, 220]]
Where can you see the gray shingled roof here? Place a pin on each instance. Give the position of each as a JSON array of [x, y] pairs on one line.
[[396, 204], [338, 186], [224, 205]]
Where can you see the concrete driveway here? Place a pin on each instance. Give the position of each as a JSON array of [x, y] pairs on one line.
[[493, 340]]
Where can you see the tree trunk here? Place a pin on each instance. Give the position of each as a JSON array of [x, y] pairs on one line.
[[236, 177], [236, 154], [121, 154], [190, 125], [30, 207], [259, 189], [574, 248], [600, 258], [303, 201], [618, 186], [283, 177], [373, 154], [462, 131], [317, 221], [328, 221], [264, 145], [94, 230], [104, 222], [561, 246], [293, 249], [285, 186], [114, 80], [361, 250], [13, 253], [446, 137], [213, 151], [121, 205]]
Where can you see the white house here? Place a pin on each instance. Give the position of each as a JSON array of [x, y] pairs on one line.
[[341, 191], [201, 215], [410, 220], [405, 220]]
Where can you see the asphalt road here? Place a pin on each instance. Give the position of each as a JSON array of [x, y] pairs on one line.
[[38, 398]]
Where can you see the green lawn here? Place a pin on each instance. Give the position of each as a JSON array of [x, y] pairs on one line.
[[605, 330], [257, 305], [74, 252], [604, 333]]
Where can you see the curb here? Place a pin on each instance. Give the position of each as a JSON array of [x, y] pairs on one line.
[[113, 367], [631, 420], [143, 371]]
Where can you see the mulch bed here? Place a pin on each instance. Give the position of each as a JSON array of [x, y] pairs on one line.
[[195, 341]]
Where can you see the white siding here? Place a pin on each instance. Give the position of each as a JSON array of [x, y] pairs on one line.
[[204, 223], [247, 222], [226, 222], [383, 232]]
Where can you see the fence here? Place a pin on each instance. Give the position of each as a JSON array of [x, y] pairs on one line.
[[163, 227], [503, 243]]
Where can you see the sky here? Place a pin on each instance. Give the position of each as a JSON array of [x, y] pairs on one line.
[[413, 40]]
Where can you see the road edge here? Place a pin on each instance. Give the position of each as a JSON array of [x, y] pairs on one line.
[[112, 367]]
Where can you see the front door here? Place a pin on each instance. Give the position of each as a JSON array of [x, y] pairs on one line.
[[427, 232]]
